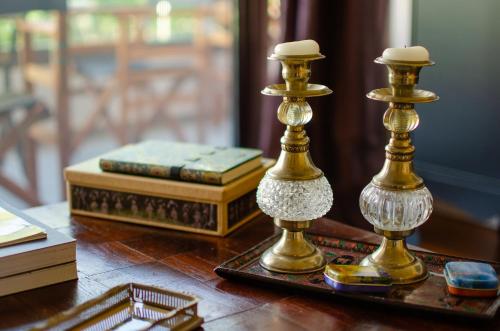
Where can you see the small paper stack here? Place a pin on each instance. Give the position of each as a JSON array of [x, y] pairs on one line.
[[31, 254], [15, 230]]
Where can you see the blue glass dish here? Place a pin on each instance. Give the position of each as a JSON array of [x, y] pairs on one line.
[[471, 275]]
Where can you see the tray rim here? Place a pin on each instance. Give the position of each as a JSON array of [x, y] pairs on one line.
[[224, 271], [70, 313]]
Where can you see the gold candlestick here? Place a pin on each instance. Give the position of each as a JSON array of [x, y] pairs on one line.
[[294, 191], [397, 201]]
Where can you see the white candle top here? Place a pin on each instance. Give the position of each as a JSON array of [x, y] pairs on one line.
[[302, 47], [415, 53]]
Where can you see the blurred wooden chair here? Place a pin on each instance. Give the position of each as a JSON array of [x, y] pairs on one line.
[[18, 112], [14, 133], [133, 71], [125, 71], [53, 74], [220, 42]]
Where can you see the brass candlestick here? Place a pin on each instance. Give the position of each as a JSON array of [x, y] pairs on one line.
[[396, 201], [294, 191]]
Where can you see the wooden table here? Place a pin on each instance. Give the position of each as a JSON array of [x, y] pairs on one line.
[[111, 253]]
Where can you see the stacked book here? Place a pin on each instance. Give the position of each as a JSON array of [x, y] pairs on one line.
[[181, 186], [31, 254]]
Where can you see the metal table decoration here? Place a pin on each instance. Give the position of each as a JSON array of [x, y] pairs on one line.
[[397, 201], [431, 295], [294, 191], [130, 307]]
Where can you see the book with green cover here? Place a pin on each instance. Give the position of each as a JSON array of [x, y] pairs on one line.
[[182, 161]]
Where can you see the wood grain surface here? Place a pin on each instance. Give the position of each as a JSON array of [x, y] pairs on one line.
[[112, 253]]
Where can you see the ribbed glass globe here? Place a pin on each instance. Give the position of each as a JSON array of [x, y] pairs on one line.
[[295, 200], [294, 113], [395, 210]]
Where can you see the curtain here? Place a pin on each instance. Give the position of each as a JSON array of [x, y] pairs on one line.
[[347, 135]]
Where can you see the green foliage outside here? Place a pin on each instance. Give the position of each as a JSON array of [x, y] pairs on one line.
[[91, 28]]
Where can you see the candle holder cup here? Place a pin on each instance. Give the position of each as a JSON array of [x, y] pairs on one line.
[[397, 201], [294, 191]]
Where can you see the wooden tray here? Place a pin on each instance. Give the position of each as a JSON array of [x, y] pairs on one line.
[[431, 294], [130, 307]]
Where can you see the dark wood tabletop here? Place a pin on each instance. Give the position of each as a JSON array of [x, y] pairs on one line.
[[112, 253]]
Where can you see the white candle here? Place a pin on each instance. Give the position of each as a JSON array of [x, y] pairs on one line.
[[415, 53], [302, 47]]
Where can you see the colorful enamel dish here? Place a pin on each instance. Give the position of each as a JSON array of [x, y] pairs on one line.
[[355, 278], [472, 279]]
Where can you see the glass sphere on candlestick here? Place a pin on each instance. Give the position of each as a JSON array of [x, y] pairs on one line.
[[395, 210], [295, 200]]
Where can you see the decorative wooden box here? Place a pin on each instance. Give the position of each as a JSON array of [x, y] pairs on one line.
[[193, 207]]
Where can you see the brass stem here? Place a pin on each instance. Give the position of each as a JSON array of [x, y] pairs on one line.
[[293, 243], [293, 253], [296, 74], [400, 119], [393, 253], [398, 174], [393, 257], [403, 79], [294, 162]]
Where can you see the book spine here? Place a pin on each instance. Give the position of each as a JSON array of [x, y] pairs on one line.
[[174, 173], [204, 177], [38, 278]]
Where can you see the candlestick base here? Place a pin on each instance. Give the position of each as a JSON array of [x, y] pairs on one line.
[[394, 258], [292, 253]]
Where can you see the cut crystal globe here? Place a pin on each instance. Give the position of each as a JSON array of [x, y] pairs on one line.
[[297, 200], [395, 210]]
